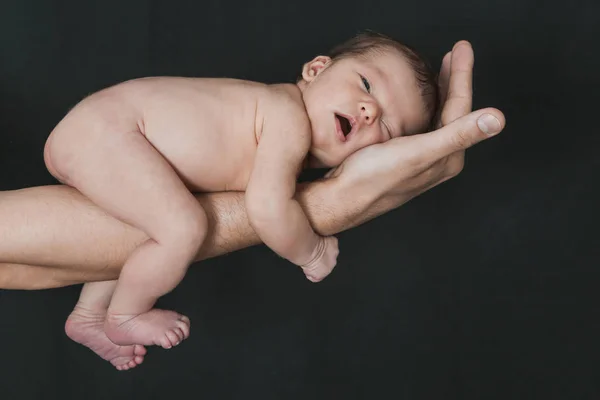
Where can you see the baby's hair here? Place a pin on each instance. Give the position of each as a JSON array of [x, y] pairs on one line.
[[368, 42]]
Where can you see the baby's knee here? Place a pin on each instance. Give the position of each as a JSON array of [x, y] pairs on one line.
[[49, 156], [188, 230], [61, 148]]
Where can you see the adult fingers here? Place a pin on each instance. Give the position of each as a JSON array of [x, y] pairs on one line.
[[443, 87], [459, 96], [462, 133], [444, 77]]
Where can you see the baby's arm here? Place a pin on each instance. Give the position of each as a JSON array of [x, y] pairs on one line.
[[272, 210]]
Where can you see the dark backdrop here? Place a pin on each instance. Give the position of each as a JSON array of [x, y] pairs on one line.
[[482, 288]]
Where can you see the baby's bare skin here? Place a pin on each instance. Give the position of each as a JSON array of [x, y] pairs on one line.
[[186, 121], [198, 124], [193, 125], [139, 148]]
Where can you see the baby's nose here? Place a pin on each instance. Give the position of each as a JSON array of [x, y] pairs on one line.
[[369, 112]]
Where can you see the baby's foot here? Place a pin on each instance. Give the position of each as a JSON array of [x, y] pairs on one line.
[[86, 327], [155, 327]]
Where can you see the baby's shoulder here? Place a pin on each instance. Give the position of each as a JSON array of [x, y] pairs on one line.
[[284, 101]]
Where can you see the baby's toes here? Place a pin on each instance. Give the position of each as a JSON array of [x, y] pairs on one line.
[[171, 339], [165, 342], [174, 336], [184, 319], [185, 327], [139, 350], [179, 334]]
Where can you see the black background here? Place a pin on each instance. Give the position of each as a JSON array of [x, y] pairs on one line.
[[482, 288]]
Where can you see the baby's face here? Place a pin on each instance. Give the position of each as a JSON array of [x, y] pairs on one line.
[[353, 103]]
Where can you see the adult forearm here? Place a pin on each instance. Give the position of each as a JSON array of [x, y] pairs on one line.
[[283, 226], [56, 226], [334, 205], [331, 206]]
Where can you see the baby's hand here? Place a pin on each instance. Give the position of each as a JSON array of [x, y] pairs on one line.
[[324, 259]]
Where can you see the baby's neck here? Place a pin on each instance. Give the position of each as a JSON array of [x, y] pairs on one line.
[[312, 162]]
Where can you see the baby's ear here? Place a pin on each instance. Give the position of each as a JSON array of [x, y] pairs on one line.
[[314, 67]]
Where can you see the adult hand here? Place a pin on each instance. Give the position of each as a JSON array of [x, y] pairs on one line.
[[391, 173]]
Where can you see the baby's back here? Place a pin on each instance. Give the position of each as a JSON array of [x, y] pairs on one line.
[[206, 128]]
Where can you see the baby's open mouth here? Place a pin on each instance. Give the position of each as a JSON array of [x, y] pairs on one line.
[[344, 124]]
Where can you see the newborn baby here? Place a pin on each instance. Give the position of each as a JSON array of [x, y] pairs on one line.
[[138, 149]]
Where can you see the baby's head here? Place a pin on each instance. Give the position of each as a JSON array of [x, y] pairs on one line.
[[367, 90]]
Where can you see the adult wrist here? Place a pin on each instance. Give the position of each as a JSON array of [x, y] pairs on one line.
[[336, 204]]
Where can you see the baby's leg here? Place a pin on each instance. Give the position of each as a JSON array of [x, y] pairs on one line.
[[118, 169], [85, 325]]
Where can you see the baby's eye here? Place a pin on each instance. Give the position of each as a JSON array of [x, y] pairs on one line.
[[366, 83]]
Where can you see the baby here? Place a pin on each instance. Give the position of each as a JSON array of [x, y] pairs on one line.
[[138, 149]]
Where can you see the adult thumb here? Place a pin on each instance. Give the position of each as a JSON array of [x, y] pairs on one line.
[[467, 131]]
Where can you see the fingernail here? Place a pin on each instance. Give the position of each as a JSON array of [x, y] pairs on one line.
[[489, 124]]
